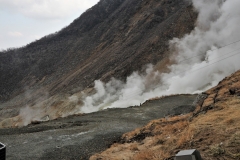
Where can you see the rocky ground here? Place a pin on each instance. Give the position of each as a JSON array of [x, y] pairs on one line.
[[213, 129], [79, 137]]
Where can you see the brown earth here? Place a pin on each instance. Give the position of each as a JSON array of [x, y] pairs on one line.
[[213, 128]]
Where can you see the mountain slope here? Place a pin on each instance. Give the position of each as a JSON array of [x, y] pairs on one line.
[[113, 38]]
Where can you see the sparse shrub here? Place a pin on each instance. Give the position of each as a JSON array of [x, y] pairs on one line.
[[217, 150], [235, 139]]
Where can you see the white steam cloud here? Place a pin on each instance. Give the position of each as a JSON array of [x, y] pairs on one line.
[[202, 58]]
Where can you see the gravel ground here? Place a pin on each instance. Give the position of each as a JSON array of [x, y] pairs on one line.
[[79, 137]]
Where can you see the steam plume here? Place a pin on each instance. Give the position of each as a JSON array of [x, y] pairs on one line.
[[202, 58]]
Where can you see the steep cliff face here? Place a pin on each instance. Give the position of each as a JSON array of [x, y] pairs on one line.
[[111, 39]]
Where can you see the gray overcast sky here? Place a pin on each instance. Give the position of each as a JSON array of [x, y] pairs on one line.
[[23, 21]]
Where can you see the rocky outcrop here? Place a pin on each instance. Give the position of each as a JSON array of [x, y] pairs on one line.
[[227, 88]]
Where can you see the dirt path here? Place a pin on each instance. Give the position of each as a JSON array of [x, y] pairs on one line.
[[78, 137]]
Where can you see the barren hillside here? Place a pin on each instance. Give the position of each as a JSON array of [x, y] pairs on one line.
[[112, 39]]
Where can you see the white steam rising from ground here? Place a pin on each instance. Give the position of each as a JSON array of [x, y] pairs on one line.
[[202, 59]]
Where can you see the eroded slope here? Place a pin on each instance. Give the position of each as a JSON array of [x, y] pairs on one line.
[[213, 129]]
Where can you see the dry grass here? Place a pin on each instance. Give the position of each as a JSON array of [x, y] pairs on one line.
[[215, 132], [150, 154]]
